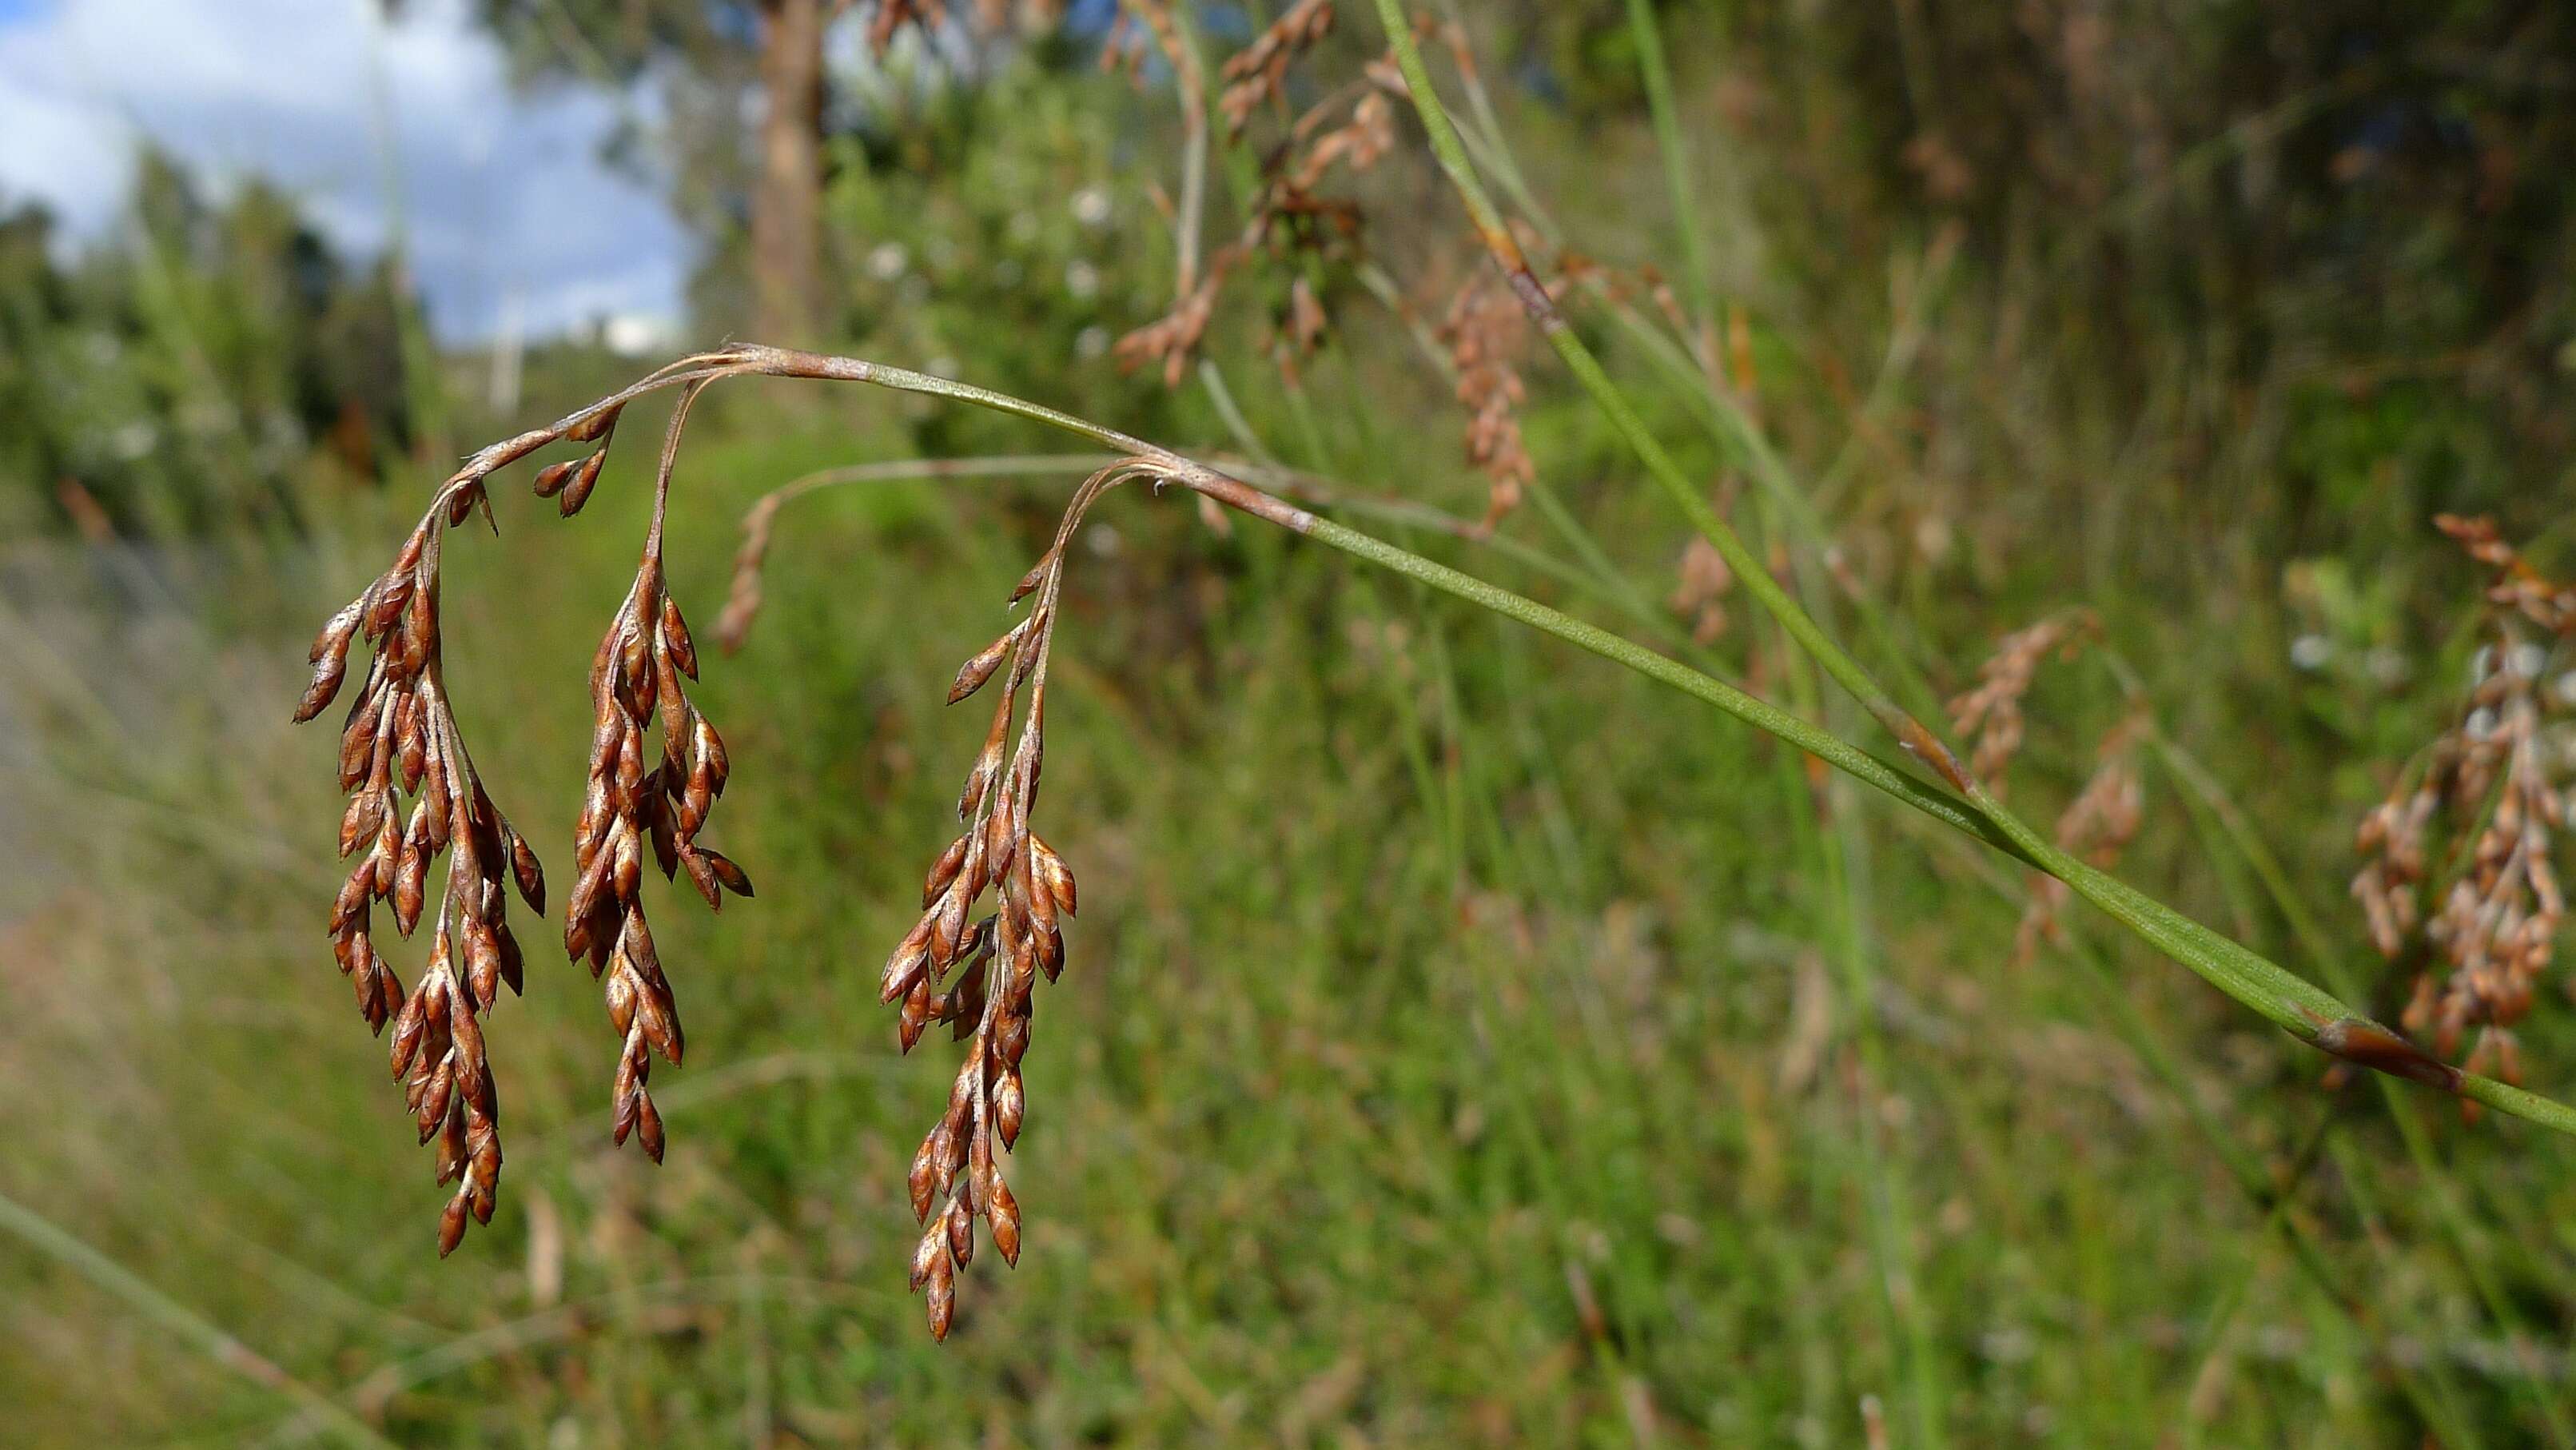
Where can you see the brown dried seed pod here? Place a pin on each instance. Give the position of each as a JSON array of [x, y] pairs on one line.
[[675, 638], [972, 674], [577, 486]]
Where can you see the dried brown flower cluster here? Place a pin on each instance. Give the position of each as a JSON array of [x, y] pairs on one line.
[[2458, 875], [1285, 214], [1699, 595], [1487, 330], [2097, 826], [1991, 713], [978, 972], [1255, 73], [629, 808], [401, 739]]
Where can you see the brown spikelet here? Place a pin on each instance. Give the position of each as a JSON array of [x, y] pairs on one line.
[[1991, 713], [1699, 593]]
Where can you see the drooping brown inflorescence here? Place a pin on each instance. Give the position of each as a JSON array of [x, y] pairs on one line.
[[630, 808], [978, 972], [1700, 590], [1991, 712], [1487, 330], [1254, 74], [401, 739], [744, 594], [2097, 826], [1287, 214], [2458, 874], [1284, 213]]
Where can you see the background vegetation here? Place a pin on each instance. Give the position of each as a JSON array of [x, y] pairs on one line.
[[1462, 1043]]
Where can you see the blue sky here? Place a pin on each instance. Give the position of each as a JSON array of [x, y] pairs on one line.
[[508, 206]]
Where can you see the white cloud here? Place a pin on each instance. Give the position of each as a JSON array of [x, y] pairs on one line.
[[503, 193]]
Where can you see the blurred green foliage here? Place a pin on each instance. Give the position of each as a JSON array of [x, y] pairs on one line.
[[189, 375]]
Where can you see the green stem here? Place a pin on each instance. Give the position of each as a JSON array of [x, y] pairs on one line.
[[42, 1234], [2299, 1007], [2290, 1002], [1658, 76], [1623, 418]]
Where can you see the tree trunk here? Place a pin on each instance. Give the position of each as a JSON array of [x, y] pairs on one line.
[[786, 206]]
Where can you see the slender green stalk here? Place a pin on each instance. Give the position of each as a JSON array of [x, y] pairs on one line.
[[2230, 823], [2297, 1006], [1658, 76], [2245, 1168], [177, 1319], [2301, 1008], [1828, 850]]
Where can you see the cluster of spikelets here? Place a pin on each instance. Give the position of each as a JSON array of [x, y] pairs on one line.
[[629, 808], [976, 969], [2458, 887], [2458, 883], [1990, 715], [1353, 127], [2103, 817], [1487, 331], [992, 906], [401, 740]]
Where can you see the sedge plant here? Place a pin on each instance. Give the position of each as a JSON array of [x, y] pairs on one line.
[[996, 902], [973, 971]]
